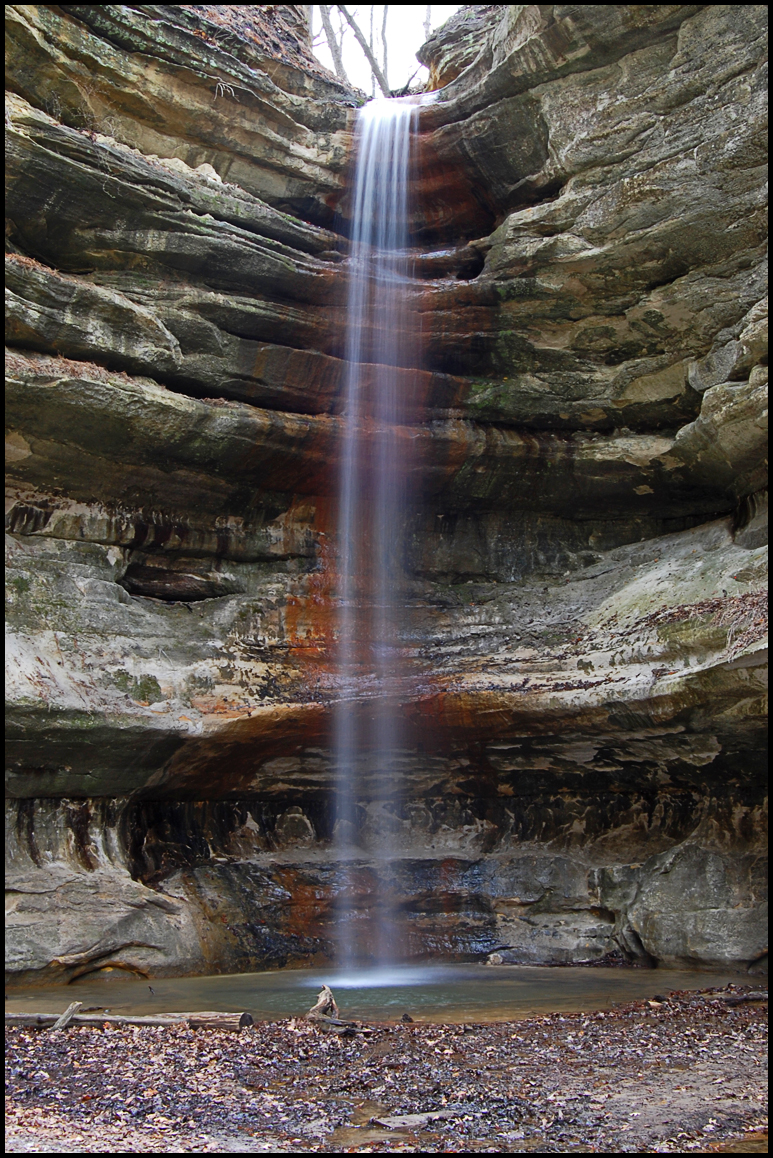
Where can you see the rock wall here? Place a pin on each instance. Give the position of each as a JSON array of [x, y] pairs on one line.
[[585, 570]]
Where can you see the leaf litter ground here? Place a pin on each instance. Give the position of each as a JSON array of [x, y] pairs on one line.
[[683, 1073]]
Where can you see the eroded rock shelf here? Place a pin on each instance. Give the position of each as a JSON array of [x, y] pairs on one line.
[[586, 568]]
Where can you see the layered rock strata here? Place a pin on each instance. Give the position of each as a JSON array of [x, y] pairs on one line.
[[585, 560]]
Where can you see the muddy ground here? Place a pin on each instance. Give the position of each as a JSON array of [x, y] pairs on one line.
[[685, 1073]]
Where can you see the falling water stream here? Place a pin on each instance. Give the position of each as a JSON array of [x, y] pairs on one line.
[[373, 502]]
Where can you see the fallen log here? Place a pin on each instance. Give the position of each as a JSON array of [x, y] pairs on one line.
[[204, 1020], [39, 1019], [43, 1020], [741, 998], [235, 1021]]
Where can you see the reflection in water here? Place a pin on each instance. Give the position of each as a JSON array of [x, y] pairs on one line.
[[751, 1144], [451, 993]]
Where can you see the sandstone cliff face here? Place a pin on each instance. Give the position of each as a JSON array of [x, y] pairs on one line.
[[584, 577]]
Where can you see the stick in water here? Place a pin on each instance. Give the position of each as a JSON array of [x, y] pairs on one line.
[[68, 1015]]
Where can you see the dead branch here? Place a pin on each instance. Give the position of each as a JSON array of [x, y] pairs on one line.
[[381, 79], [332, 43], [384, 43], [204, 1020], [68, 1015], [325, 1015], [407, 86]]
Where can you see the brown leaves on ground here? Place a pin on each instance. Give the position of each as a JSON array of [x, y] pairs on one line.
[[54, 366], [665, 1076], [745, 616], [25, 262]]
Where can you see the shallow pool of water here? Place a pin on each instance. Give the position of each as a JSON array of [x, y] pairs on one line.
[[425, 992]]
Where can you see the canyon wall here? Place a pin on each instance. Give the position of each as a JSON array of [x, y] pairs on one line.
[[585, 562]]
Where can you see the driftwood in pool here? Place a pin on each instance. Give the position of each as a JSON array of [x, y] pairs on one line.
[[204, 1020], [326, 1008], [325, 1015]]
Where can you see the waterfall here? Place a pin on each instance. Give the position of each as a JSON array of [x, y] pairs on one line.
[[373, 503]]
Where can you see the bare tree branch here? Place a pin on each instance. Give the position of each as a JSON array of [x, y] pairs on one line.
[[332, 43], [427, 24], [370, 42], [384, 41], [407, 86], [382, 82]]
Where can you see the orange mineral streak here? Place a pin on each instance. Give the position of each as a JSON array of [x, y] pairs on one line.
[[446, 202], [216, 706], [309, 617], [299, 454], [448, 205], [312, 608], [309, 912], [445, 718], [312, 383], [308, 382]]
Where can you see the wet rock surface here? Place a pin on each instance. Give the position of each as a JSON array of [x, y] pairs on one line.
[[681, 1072], [585, 561]]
